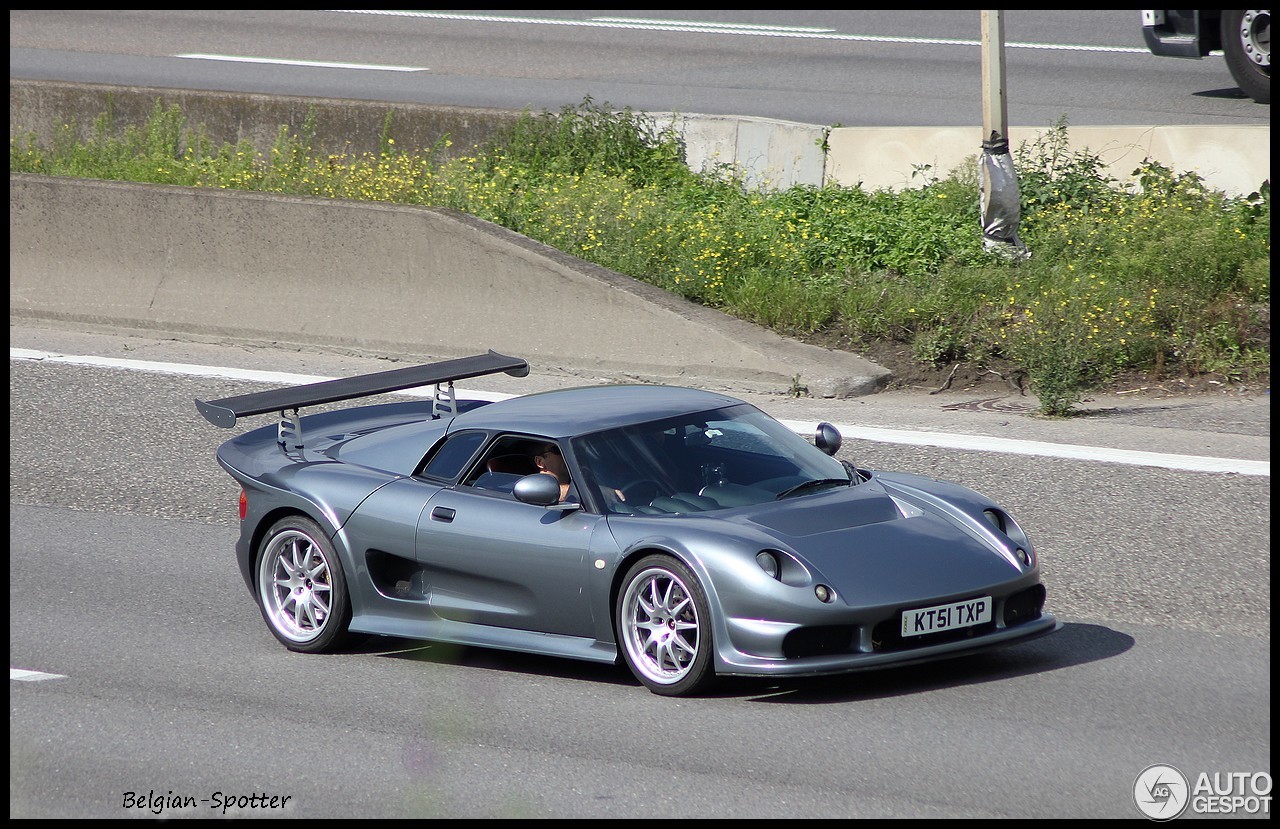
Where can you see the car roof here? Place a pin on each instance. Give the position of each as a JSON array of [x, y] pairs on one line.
[[568, 412]]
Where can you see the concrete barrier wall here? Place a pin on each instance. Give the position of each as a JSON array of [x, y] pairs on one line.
[[401, 281], [768, 153], [1234, 159], [780, 154], [341, 127]]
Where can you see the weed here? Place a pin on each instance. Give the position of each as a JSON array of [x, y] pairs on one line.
[[1169, 275]]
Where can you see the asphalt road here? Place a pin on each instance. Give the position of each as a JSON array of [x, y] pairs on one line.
[[156, 676], [859, 68], [122, 583]]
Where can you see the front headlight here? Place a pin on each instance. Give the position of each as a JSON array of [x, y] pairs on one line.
[[1004, 524], [768, 563], [783, 567]]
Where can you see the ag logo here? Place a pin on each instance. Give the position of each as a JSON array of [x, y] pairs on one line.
[[1161, 792]]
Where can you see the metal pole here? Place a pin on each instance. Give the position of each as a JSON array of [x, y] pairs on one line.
[[1001, 200], [995, 108]]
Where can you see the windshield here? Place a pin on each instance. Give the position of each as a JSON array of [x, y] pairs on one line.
[[707, 461]]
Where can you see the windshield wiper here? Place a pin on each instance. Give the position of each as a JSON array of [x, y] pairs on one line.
[[796, 490], [855, 474]]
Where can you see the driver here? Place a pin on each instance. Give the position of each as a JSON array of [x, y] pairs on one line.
[[550, 462]]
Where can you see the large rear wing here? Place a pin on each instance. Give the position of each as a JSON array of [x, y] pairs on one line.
[[228, 410]]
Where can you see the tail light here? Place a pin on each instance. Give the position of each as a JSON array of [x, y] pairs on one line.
[[244, 504]]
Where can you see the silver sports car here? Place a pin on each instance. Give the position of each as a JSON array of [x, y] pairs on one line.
[[684, 532]]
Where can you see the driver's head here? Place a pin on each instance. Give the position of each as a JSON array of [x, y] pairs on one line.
[[548, 459]]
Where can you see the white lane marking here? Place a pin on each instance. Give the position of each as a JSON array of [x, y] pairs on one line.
[[976, 443], [311, 63], [745, 27], [24, 675], [700, 27], [216, 372], [984, 443]]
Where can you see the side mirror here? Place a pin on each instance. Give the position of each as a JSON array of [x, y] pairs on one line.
[[541, 490], [827, 438], [538, 488]]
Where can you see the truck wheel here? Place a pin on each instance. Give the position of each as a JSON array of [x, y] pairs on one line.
[[1246, 43]]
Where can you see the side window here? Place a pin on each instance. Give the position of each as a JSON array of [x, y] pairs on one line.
[[506, 461], [451, 457]]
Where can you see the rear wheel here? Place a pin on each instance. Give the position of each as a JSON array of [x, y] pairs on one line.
[[665, 627], [301, 589], [1246, 43]]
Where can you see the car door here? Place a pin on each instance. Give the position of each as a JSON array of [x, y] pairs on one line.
[[489, 559]]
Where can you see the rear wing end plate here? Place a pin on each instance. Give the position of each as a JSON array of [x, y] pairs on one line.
[[227, 411]]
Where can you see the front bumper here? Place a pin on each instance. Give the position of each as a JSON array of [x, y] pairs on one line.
[[737, 663], [866, 638]]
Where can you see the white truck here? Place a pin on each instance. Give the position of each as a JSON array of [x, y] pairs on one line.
[[1242, 36]]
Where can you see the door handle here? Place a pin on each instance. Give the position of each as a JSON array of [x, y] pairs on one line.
[[444, 514]]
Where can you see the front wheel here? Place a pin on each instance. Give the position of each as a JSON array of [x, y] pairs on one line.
[[301, 589], [1246, 44], [665, 627]]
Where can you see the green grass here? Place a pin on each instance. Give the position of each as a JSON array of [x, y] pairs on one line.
[[1170, 277]]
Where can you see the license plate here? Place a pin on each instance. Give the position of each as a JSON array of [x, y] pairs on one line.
[[946, 617]]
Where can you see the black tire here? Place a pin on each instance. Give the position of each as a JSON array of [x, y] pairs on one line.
[[1246, 43], [664, 627], [302, 591]]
